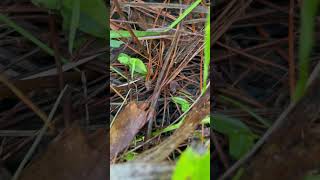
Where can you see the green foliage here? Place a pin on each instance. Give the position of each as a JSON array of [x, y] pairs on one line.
[[125, 34], [184, 14], [74, 23], [306, 42], [184, 104], [192, 165], [115, 43], [135, 64], [88, 16], [130, 156], [206, 62], [241, 139]]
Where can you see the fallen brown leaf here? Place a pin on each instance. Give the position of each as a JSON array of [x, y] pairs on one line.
[[70, 157], [126, 125]]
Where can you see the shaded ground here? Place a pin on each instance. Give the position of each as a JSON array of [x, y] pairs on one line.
[[255, 63], [34, 73]]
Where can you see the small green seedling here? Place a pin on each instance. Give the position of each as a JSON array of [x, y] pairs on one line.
[[241, 139], [135, 64], [193, 164], [184, 104]]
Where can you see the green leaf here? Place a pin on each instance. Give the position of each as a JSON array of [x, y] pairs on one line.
[[93, 16], [240, 144], [74, 23], [130, 156], [184, 104], [192, 165], [206, 120], [124, 58], [241, 139], [115, 43], [138, 66], [228, 125], [49, 4], [135, 64]]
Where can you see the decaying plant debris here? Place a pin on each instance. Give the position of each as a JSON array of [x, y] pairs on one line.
[[142, 106], [32, 79], [255, 64]]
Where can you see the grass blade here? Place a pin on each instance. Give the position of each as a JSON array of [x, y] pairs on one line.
[[308, 15], [75, 17], [184, 14], [206, 62], [29, 36]]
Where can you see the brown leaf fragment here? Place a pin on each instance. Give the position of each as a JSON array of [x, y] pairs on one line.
[[70, 157], [125, 127]]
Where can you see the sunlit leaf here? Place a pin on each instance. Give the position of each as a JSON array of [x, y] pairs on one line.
[[192, 165]]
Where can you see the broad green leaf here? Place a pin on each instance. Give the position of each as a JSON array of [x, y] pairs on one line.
[[130, 156], [49, 4], [138, 66], [227, 125], [74, 23], [124, 58], [135, 64], [184, 104], [115, 43], [241, 139], [93, 16], [240, 144], [192, 165]]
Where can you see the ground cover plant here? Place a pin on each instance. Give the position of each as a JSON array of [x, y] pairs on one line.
[[159, 79]]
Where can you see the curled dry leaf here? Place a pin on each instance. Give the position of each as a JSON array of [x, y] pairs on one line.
[[126, 126]]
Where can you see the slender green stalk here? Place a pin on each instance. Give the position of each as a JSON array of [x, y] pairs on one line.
[[29, 36], [306, 42]]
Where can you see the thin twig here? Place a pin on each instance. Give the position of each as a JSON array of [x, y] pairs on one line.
[[39, 136]]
